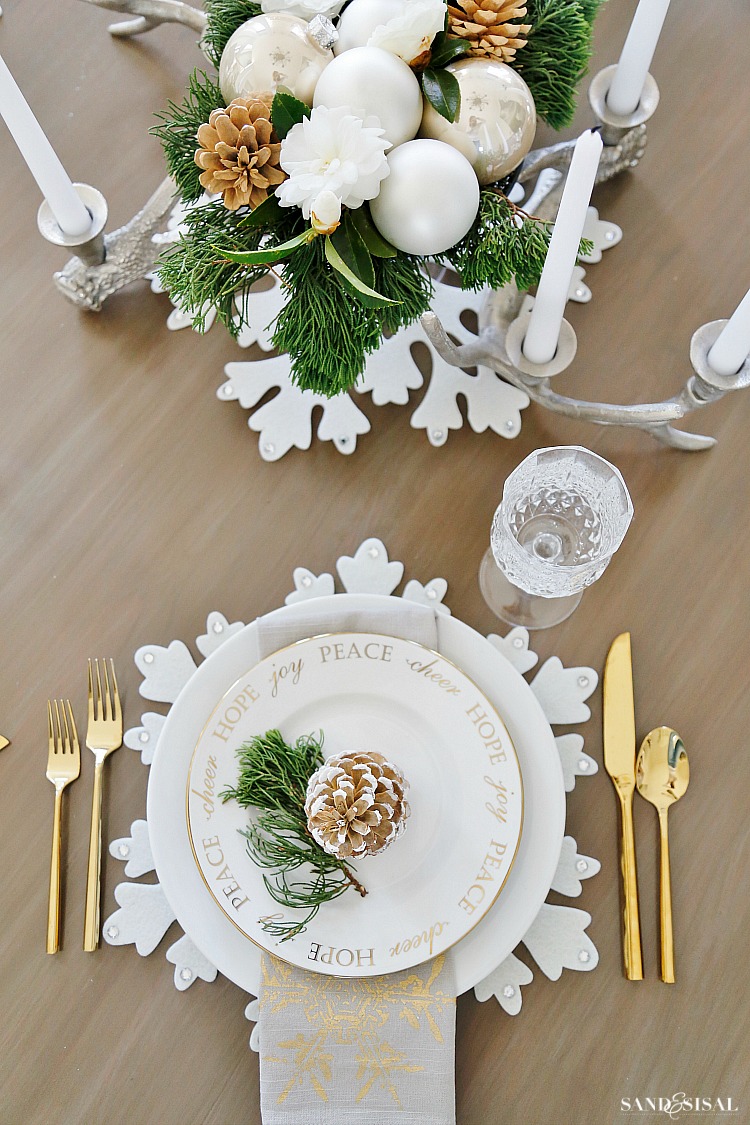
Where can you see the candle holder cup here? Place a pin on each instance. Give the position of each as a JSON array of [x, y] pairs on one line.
[[89, 247], [614, 126], [564, 513]]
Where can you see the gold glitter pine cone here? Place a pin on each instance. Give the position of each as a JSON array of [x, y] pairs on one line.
[[356, 804], [239, 152], [487, 26]]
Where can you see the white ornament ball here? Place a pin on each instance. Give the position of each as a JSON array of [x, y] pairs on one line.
[[360, 18], [270, 51], [429, 200], [496, 122], [373, 83]]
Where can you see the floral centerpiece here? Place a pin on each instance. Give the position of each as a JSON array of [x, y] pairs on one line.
[[349, 147]]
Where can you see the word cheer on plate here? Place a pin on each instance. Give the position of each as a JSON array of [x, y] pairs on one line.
[[443, 873]]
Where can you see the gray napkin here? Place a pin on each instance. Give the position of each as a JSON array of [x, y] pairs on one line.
[[368, 1051]]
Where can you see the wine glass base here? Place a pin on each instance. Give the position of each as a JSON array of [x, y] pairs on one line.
[[515, 606]]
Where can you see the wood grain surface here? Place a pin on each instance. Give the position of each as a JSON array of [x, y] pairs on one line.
[[133, 502]]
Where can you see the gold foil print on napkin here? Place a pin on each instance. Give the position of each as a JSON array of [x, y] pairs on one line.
[[384, 1041]]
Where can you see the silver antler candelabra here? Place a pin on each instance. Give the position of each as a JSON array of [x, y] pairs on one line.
[[104, 263]]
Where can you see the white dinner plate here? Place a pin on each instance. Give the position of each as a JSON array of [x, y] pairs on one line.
[[529, 880], [374, 693]]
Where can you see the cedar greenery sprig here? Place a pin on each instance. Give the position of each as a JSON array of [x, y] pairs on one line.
[[223, 17], [273, 780], [591, 9], [504, 243], [556, 55], [199, 278], [327, 332], [178, 132]]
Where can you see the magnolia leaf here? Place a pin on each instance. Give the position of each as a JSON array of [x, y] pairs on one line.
[[445, 48], [354, 285], [350, 245], [442, 92], [370, 235], [287, 111], [267, 213], [269, 255]]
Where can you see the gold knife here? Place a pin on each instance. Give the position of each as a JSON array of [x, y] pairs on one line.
[[619, 762]]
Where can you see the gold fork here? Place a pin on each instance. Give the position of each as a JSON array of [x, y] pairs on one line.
[[63, 766], [103, 735]]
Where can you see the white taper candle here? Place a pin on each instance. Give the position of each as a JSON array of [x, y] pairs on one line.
[[624, 94], [732, 347], [543, 333], [44, 164]]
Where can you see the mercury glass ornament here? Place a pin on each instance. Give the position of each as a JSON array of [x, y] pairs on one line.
[[496, 122], [373, 83], [269, 51], [429, 200]]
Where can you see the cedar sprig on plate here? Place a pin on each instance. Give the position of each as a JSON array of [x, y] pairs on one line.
[[273, 780]]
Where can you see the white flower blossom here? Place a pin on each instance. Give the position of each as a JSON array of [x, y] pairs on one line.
[[410, 34], [305, 9], [332, 150], [325, 212]]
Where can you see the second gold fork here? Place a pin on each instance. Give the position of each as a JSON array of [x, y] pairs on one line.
[[103, 735]]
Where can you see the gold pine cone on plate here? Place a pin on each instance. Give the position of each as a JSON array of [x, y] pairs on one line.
[[239, 152], [356, 804], [488, 28]]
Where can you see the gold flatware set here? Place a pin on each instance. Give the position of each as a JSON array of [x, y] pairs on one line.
[[660, 772], [103, 736]]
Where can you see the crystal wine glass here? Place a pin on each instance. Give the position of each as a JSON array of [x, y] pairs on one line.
[[563, 515]]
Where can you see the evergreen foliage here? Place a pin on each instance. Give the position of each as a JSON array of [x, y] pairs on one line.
[[408, 284], [327, 332], [273, 781], [178, 132], [556, 55], [196, 274], [503, 243]]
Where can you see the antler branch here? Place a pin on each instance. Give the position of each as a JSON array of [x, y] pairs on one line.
[[488, 350], [151, 13]]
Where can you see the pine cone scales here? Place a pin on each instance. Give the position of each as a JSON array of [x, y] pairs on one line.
[[487, 26], [356, 804], [239, 152]]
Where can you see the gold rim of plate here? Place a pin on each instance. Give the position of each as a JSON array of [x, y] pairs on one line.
[[381, 636]]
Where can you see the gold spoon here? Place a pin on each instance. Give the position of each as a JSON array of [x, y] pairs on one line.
[[662, 774]]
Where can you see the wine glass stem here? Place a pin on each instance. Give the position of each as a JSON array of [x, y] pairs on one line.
[[547, 545]]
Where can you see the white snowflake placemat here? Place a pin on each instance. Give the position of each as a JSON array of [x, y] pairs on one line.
[[556, 940]]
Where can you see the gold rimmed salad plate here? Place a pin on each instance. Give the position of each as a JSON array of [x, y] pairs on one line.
[[442, 875]]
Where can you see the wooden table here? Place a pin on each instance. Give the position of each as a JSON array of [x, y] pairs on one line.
[[133, 502]]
